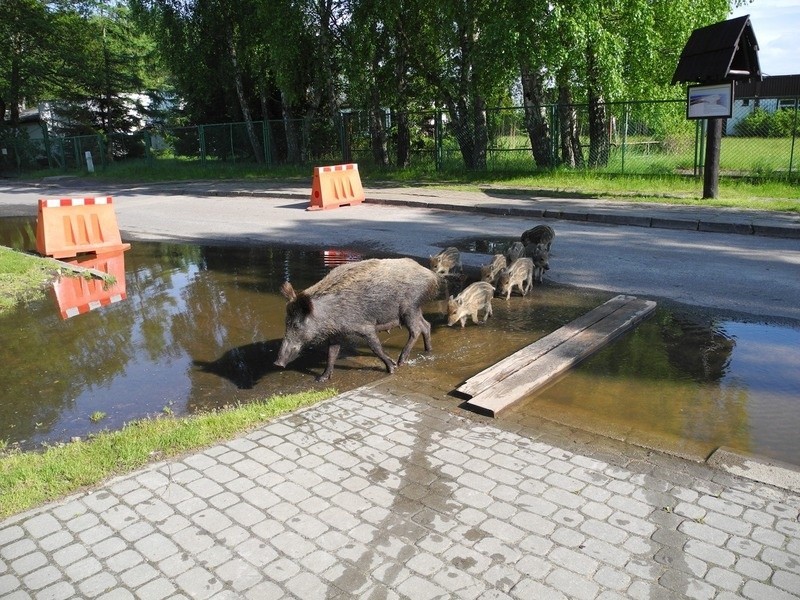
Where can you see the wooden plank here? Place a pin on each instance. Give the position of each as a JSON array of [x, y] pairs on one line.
[[546, 367], [512, 363]]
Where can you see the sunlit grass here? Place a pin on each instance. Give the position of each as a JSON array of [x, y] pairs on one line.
[[31, 478], [23, 278]]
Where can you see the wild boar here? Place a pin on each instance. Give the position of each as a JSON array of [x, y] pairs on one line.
[[475, 297], [447, 261], [541, 234], [490, 272], [519, 274], [516, 250], [360, 298], [540, 256]]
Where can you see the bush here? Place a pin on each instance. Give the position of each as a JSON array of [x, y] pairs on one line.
[[760, 123]]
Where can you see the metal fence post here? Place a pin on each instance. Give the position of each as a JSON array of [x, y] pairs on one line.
[[437, 140], [202, 137], [626, 113], [794, 136], [265, 135]]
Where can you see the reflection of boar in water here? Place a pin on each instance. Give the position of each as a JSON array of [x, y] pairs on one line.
[[447, 261], [519, 274], [540, 256], [490, 272], [541, 234], [476, 297], [360, 298]]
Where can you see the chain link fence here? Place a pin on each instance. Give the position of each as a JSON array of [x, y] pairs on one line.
[[647, 138]]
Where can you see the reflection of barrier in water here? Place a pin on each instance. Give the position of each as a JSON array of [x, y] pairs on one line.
[[67, 227], [77, 294], [334, 258]]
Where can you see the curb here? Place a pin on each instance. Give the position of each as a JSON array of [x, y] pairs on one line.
[[604, 218]]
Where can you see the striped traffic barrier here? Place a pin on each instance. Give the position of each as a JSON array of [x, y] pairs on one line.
[[336, 185], [66, 227]]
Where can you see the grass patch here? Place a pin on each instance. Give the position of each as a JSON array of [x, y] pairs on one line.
[[23, 278], [28, 479]]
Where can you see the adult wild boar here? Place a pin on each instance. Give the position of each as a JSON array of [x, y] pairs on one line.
[[360, 298]]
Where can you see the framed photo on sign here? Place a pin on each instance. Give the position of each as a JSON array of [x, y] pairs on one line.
[[709, 101]]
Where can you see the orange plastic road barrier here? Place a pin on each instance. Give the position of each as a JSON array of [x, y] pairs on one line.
[[77, 295], [69, 226], [336, 185]]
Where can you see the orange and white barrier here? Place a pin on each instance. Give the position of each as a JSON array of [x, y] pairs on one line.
[[336, 185], [78, 295], [67, 227]]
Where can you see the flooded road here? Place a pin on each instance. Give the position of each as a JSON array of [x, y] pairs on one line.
[[199, 326]]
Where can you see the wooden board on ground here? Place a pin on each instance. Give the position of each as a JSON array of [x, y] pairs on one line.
[[495, 389]]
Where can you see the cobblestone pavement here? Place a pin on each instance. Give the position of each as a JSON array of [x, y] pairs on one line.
[[375, 494]]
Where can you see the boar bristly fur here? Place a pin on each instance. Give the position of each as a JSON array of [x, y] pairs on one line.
[[519, 274], [447, 261], [476, 297], [360, 298]]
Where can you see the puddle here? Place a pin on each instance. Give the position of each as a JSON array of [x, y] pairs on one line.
[[687, 385], [199, 327]]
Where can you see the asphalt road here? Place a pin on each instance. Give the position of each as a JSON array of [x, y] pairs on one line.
[[750, 274]]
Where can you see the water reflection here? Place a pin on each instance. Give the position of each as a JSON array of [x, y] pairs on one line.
[[201, 326], [688, 385], [103, 284]]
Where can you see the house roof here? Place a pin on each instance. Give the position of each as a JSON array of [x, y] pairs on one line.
[[776, 86], [721, 52]]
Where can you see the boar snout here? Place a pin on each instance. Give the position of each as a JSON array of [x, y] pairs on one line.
[[286, 354]]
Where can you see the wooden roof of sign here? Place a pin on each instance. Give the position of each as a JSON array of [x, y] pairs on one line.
[[721, 52]]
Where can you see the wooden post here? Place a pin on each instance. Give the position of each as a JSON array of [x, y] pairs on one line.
[[711, 170]]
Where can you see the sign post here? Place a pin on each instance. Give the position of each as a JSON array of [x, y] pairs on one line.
[[715, 56]]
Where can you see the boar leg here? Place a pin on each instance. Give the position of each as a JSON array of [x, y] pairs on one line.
[[375, 345], [416, 325], [333, 354]]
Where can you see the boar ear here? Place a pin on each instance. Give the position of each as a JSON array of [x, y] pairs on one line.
[[288, 291], [304, 303]]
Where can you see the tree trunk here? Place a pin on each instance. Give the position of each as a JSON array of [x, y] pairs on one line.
[[571, 154], [535, 121], [377, 123], [237, 79], [599, 144], [471, 131], [403, 139], [380, 153], [292, 133]]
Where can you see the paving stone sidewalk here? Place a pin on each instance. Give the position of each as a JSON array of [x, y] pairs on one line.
[[378, 495]]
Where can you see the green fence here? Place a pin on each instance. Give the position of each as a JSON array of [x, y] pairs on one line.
[[634, 138]]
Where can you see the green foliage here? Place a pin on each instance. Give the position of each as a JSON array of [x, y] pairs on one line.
[[768, 124]]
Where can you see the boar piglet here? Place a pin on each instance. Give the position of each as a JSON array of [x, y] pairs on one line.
[[541, 234], [519, 274], [490, 272], [360, 298], [475, 297], [540, 256], [447, 261], [516, 250]]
